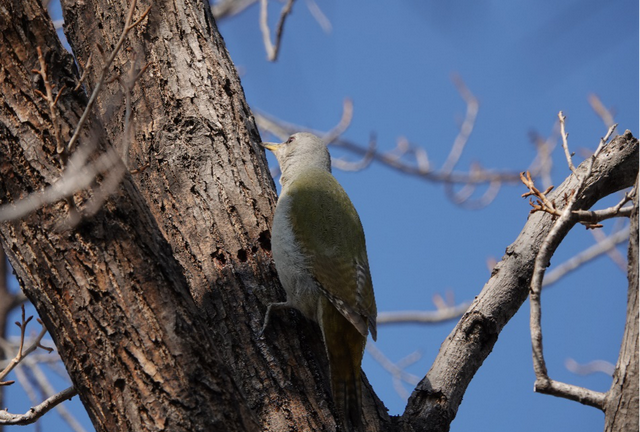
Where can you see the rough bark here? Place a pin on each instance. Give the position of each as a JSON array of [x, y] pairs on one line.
[[6, 303], [434, 402], [113, 297], [621, 409], [156, 302]]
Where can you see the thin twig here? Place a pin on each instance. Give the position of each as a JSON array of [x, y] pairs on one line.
[[589, 218], [37, 411], [592, 367], [343, 124], [601, 110], [543, 162], [128, 85], [565, 143], [66, 186], [543, 383], [542, 203], [271, 48], [603, 246], [22, 353], [397, 370], [392, 160], [228, 8], [605, 139], [363, 163], [396, 158], [319, 16], [437, 316], [467, 125], [52, 102], [615, 255], [47, 388], [463, 196], [85, 70], [571, 392]]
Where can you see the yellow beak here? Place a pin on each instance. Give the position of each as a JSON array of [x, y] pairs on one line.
[[270, 146]]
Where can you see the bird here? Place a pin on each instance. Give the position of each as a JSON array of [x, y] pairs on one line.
[[319, 250]]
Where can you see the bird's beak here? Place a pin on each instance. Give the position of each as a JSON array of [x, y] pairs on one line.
[[270, 146]]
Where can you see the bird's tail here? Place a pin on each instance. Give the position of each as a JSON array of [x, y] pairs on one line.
[[345, 347]]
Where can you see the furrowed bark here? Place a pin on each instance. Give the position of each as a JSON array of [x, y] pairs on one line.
[[621, 408], [155, 303]]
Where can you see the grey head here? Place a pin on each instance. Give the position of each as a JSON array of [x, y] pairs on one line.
[[302, 151]]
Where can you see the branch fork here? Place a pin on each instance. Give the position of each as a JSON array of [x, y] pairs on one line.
[[565, 218]]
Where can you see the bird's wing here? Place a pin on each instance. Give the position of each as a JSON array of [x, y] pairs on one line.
[[323, 216]]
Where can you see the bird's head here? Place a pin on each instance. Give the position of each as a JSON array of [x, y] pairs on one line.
[[302, 151]]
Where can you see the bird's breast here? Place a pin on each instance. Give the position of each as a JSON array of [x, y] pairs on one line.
[[291, 263]]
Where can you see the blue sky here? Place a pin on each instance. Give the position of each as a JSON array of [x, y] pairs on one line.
[[524, 61]]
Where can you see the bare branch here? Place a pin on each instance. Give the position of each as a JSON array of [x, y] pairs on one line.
[[397, 370], [601, 110], [571, 392], [271, 48], [565, 143], [602, 247], [366, 160], [543, 162], [85, 70], [227, 8], [74, 179], [614, 254], [467, 125], [590, 219], [319, 16], [605, 139], [543, 383], [51, 101], [586, 217], [463, 196], [411, 159], [621, 407], [343, 124], [393, 159], [37, 411], [47, 388], [542, 203], [440, 315], [592, 367], [436, 399], [22, 353]]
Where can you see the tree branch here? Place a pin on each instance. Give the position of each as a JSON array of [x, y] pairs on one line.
[[273, 48], [561, 226], [6, 418], [601, 247], [622, 406], [435, 401], [22, 353], [440, 315]]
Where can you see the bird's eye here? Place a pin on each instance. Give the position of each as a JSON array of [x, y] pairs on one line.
[[290, 140]]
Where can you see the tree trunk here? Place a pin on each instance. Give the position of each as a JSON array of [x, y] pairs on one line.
[[155, 303], [621, 409], [6, 304]]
